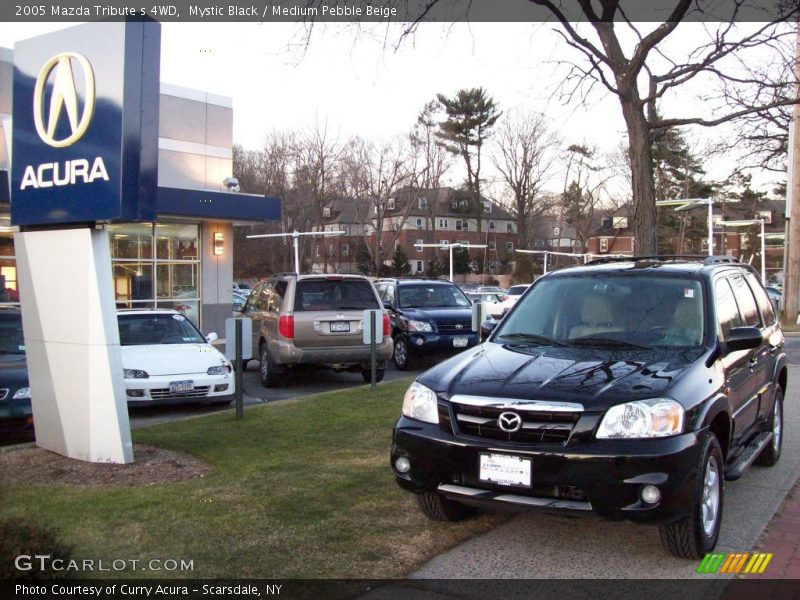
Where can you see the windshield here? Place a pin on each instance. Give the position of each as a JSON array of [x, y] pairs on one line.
[[608, 310], [432, 296], [141, 330], [11, 339]]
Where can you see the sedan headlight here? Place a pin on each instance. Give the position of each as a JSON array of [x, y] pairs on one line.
[[220, 370], [135, 374], [22, 393], [419, 326], [420, 403], [658, 417]]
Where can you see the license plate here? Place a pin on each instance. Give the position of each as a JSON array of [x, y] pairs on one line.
[[340, 326], [503, 469], [181, 386], [460, 342]]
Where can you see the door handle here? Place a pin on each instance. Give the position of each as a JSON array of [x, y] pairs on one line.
[[752, 362], [772, 349]]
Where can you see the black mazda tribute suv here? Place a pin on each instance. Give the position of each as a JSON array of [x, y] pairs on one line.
[[630, 389]]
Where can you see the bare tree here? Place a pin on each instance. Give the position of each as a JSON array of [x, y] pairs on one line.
[[525, 156], [642, 77], [433, 158], [370, 174]]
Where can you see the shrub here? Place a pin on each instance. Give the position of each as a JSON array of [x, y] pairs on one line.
[[24, 537]]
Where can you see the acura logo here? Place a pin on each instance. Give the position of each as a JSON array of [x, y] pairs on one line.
[[509, 422], [63, 99]]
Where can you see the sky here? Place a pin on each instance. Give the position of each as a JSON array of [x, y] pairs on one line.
[[366, 82]]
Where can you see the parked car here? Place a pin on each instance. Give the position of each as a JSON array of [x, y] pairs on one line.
[[238, 300], [492, 300], [429, 318], [514, 293], [166, 360], [15, 397], [242, 287], [625, 389], [314, 320], [776, 296]]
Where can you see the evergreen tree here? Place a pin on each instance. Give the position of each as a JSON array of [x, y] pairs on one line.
[[461, 261], [400, 265]]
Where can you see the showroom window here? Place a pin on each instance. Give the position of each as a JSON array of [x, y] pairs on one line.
[[157, 266], [9, 294]]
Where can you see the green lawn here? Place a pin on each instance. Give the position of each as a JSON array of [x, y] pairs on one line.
[[298, 489]]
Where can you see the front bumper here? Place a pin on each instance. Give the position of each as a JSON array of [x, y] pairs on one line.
[[439, 343], [155, 391], [604, 477]]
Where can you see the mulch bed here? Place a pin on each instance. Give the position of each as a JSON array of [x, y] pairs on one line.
[[151, 466]]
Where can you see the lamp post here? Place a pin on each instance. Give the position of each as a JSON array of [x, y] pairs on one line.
[[450, 246], [546, 252], [745, 223], [295, 235], [689, 204]]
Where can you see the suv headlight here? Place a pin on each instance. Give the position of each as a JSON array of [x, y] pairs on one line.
[[135, 374], [419, 326], [220, 370], [22, 393], [658, 417], [420, 403]]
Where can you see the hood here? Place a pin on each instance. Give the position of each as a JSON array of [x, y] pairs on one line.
[[595, 377], [172, 359]]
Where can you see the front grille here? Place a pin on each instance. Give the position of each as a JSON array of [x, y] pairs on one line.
[[455, 327], [165, 394], [538, 427]]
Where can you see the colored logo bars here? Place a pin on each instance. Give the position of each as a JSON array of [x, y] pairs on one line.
[[737, 563]]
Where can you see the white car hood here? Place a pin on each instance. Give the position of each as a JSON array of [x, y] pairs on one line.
[[172, 359]]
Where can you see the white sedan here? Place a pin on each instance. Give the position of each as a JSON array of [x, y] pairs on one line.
[[168, 361], [514, 294]]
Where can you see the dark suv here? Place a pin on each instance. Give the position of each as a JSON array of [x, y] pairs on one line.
[[430, 317], [627, 389]]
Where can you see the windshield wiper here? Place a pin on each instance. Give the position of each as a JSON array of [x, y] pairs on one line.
[[605, 342], [532, 338]]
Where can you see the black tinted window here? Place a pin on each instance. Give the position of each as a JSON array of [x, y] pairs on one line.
[[431, 296], [334, 294], [727, 311], [763, 301], [517, 290], [11, 338], [746, 301]]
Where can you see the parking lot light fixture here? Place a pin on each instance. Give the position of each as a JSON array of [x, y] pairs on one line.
[[747, 223], [450, 247], [295, 235], [683, 204]]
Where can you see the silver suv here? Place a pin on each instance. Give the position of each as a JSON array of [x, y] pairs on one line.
[[314, 320]]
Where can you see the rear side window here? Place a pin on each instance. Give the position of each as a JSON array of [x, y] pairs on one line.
[[727, 311], [517, 290], [746, 301], [334, 294], [763, 301]]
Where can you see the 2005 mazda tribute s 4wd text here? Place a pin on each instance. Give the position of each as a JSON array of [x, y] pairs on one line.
[[629, 389]]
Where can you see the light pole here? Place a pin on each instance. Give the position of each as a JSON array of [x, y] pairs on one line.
[[450, 246], [689, 204], [295, 235], [546, 252], [745, 223]]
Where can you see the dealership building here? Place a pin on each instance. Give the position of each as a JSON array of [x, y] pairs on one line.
[[184, 258]]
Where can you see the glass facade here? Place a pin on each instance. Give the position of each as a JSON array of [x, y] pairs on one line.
[[157, 265], [8, 264]]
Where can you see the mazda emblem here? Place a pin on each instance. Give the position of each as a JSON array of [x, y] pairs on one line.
[[459, 326], [509, 422]]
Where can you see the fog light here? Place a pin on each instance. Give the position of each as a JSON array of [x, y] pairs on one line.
[[419, 341], [136, 393], [650, 494], [402, 464], [220, 387]]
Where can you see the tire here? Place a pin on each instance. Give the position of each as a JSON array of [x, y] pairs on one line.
[[266, 370], [772, 453], [401, 356], [696, 534], [438, 508], [367, 375]]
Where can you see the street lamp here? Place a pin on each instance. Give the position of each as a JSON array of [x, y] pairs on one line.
[[450, 246], [546, 252], [689, 204], [295, 235], [746, 223]]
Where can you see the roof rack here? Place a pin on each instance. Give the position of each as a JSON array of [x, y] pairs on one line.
[[704, 258]]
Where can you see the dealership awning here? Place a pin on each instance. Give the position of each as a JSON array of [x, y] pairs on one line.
[[206, 204]]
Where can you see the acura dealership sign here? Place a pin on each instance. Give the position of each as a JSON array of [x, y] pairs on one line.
[[85, 126]]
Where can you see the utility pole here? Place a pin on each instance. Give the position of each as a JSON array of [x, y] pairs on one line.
[[791, 284]]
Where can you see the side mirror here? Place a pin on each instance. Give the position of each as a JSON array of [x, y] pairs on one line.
[[388, 305], [487, 327], [212, 337], [743, 338]]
